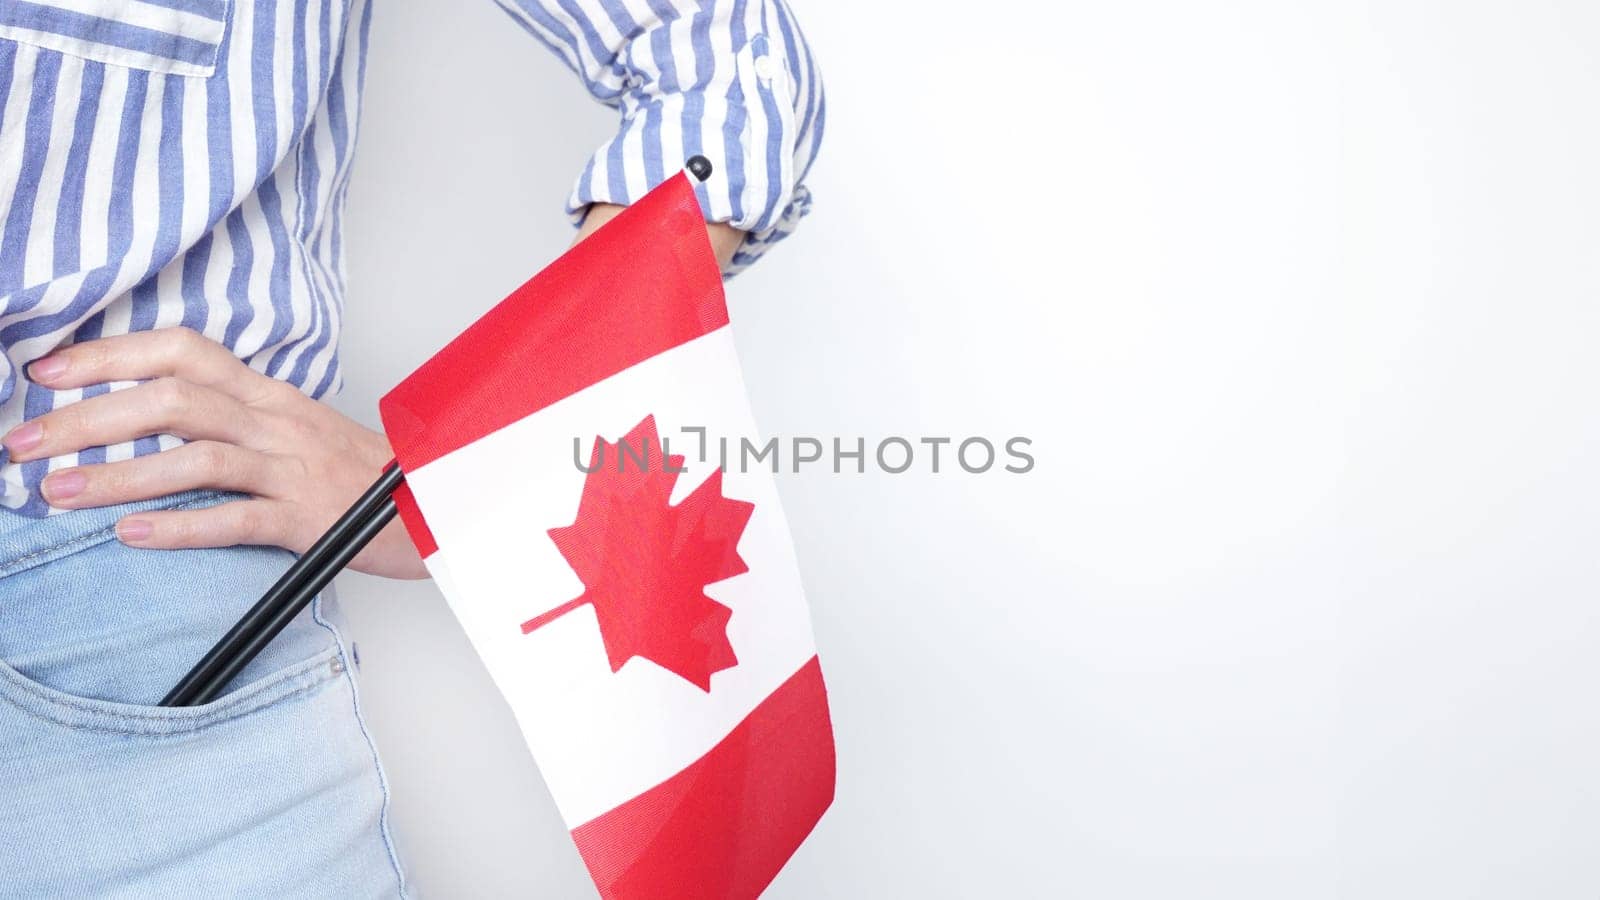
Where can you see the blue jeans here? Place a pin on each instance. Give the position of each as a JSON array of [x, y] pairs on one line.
[[272, 790]]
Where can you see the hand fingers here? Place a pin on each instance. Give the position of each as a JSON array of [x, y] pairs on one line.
[[263, 522], [166, 352], [164, 406], [202, 464], [241, 522]]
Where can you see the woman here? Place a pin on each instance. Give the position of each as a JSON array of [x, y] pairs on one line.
[[172, 180]]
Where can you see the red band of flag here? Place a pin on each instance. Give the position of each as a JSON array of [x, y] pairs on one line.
[[577, 322], [416, 526], [723, 826]]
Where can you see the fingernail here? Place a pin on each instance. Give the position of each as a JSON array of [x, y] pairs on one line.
[[24, 437], [63, 485], [46, 369], [134, 529]]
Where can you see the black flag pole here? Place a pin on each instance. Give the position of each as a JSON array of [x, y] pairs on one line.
[[318, 578], [288, 595], [312, 572]]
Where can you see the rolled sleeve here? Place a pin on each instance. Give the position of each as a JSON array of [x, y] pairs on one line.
[[734, 82]]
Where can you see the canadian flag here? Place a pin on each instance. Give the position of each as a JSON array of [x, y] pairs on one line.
[[639, 607]]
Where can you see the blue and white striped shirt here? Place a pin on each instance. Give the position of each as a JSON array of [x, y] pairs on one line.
[[185, 162]]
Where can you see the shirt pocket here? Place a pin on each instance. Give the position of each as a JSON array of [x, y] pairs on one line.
[[170, 37]]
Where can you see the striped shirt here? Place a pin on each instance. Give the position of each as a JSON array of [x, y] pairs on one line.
[[186, 162]]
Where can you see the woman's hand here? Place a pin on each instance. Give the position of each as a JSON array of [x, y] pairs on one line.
[[302, 461]]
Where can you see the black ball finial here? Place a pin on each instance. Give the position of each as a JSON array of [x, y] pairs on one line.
[[699, 167]]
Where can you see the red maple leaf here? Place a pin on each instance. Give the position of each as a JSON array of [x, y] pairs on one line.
[[645, 564]]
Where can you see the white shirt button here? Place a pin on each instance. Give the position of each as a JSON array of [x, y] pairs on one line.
[[766, 68]]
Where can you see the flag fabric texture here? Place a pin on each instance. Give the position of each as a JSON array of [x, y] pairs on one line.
[[639, 607]]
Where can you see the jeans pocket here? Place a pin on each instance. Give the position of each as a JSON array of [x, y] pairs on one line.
[[93, 631], [112, 717], [274, 790]]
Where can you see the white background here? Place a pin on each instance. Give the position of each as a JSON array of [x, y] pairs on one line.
[[1298, 304]]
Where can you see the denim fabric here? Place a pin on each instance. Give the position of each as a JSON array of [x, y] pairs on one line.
[[273, 790]]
